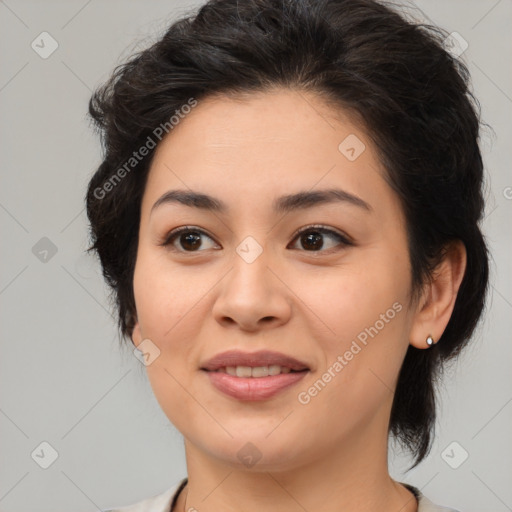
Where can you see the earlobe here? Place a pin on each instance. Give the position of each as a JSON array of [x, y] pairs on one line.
[[438, 300]]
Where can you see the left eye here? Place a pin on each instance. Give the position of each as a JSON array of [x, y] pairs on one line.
[[311, 238]]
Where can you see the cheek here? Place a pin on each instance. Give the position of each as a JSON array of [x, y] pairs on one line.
[[164, 295], [343, 303], [365, 316], [165, 299]]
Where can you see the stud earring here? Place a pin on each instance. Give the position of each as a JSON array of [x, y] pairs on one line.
[[430, 341]]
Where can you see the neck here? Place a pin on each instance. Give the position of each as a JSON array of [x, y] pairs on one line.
[[354, 477]]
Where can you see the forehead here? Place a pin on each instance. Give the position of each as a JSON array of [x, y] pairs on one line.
[[256, 147], [276, 119]]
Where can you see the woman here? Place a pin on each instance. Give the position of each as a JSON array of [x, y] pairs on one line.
[[287, 213]]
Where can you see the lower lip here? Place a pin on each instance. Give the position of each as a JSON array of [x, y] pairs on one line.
[[253, 388]]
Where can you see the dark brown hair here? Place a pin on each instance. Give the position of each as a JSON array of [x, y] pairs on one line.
[[364, 57]]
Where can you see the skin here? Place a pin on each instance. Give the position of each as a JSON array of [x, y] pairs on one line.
[[331, 453]]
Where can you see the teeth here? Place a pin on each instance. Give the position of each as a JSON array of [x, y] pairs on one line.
[[243, 371], [275, 369], [257, 371]]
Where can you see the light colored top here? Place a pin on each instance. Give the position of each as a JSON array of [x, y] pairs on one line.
[[164, 501]]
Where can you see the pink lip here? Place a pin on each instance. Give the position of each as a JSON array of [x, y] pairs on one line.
[[253, 388], [260, 358]]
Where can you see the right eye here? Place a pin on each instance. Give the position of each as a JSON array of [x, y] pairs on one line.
[[188, 237]]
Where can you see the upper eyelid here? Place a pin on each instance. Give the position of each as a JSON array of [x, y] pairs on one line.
[[322, 229]]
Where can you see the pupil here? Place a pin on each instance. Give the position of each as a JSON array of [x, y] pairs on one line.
[[193, 238], [313, 237]]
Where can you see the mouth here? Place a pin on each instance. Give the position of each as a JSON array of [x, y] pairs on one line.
[[256, 371], [253, 376]]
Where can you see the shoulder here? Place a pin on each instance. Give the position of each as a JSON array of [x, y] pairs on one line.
[[158, 503], [424, 504], [162, 502]]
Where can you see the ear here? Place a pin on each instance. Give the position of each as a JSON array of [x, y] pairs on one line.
[[438, 299]]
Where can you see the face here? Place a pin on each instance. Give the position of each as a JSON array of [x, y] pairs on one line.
[[323, 281]]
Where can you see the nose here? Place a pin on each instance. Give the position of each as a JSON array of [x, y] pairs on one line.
[[252, 297]]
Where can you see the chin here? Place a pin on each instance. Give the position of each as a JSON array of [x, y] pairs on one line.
[[255, 450]]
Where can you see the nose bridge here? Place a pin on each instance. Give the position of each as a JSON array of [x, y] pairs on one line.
[[250, 273], [251, 292]]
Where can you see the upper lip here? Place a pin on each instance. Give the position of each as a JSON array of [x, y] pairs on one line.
[[260, 358]]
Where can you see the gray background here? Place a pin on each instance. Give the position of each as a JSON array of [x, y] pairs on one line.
[[64, 379]]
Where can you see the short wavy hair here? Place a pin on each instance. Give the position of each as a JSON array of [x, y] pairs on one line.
[[362, 56]]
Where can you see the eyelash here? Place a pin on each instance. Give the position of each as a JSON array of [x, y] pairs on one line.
[[343, 239]]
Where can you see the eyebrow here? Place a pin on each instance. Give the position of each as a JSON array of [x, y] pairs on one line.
[[283, 204]]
